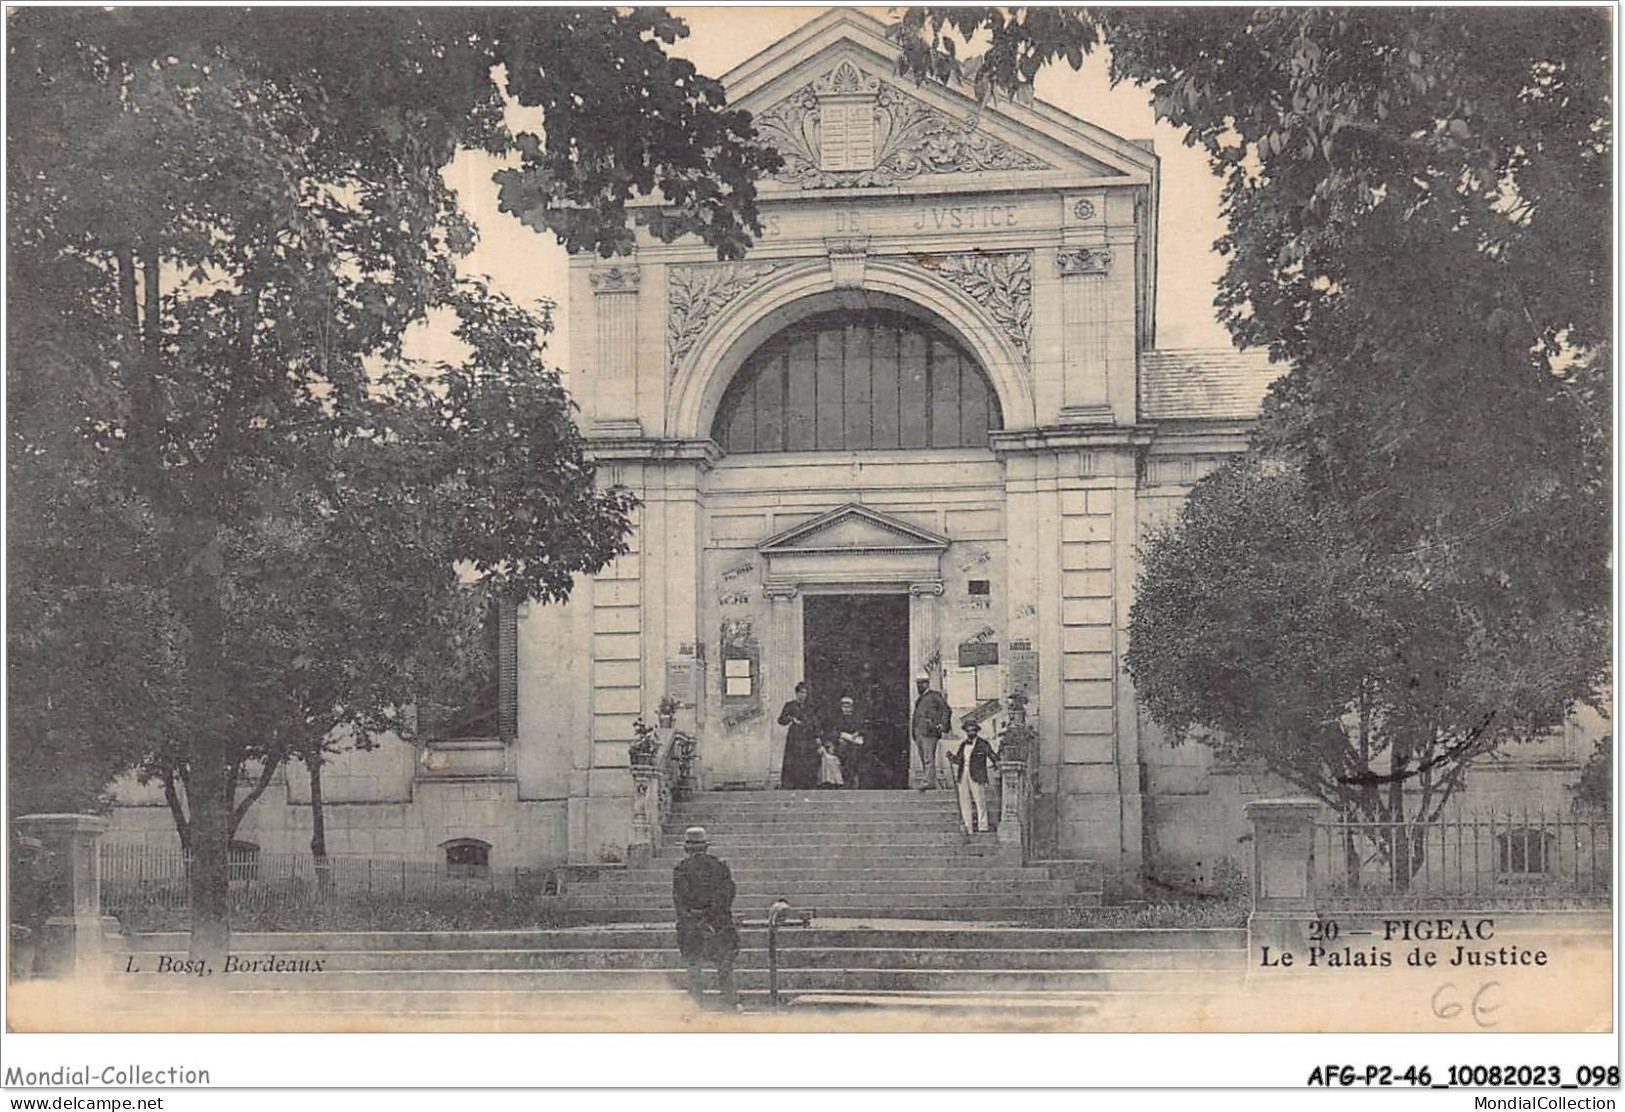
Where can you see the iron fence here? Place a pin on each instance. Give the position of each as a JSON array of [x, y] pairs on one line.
[[1532, 860]]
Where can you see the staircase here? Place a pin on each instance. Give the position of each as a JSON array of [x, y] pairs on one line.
[[908, 912], [843, 855], [551, 977]]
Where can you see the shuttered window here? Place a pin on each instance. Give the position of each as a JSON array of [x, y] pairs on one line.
[[856, 382]]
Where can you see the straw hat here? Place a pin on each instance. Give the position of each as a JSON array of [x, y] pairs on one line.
[[694, 838]]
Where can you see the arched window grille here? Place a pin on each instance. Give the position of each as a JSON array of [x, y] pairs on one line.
[[468, 857], [1523, 850], [857, 381]]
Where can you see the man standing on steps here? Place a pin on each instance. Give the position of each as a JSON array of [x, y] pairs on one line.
[[931, 720], [970, 760], [702, 889]]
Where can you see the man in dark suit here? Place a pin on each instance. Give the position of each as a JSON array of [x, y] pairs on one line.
[[932, 719], [970, 760], [702, 888]]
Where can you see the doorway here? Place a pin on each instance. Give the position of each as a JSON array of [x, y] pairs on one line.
[[857, 645]]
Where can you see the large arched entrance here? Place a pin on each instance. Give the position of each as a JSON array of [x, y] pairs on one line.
[[846, 435]]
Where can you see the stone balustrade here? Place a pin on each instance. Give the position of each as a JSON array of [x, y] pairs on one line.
[[654, 783]]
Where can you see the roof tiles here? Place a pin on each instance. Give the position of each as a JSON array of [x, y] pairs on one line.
[[1204, 383]]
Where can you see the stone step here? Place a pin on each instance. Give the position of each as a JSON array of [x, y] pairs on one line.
[[811, 873], [791, 979], [821, 796], [966, 854], [1048, 914], [825, 803], [823, 816], [791, 954], [665, 937], [879, 903], [750, 887], [806, 842], [501, 1008], [868, 828]]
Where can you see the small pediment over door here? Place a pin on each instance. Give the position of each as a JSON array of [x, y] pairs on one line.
[[855, 547]]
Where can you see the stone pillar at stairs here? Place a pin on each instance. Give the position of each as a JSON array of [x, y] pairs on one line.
[[1283, 897], [72, 937]]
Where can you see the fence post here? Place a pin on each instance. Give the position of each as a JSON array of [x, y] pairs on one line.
[[1283, 874], [74, 929]]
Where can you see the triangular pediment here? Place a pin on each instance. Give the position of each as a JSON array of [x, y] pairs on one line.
[[853, 528], [828, 99]]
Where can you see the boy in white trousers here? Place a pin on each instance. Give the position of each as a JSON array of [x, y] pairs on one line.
[[970, 760]]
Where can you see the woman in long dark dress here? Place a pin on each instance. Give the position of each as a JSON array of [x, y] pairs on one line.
[[800, 770]]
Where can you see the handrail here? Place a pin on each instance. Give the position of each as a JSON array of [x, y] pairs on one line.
[[654, 779], [779, 913]]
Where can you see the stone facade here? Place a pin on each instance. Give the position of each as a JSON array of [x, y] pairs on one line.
[[1027, 237]]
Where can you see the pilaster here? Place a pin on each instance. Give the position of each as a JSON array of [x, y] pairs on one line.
[[615, 303], [783, 670]]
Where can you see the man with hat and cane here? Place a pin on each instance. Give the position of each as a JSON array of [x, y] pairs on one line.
[[703, 890], [970, 760]]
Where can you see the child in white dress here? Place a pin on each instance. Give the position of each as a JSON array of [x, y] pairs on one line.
[[829, 766]]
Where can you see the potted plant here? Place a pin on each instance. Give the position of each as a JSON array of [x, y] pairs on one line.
[[1016, 742], [646, 748], [666, 712]]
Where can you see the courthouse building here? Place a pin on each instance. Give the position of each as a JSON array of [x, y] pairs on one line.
[[921, 427]]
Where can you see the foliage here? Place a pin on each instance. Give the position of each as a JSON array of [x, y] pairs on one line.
[[473, 908], [1596, 787], [645, 746], [243, 523], [1414, 203], [1205, 913], [30, 892], [1017, 740], [1267, 625]]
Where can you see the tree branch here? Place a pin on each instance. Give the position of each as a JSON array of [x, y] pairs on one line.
[[267, 772]]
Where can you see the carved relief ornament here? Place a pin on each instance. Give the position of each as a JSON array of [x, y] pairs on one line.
[[1000, 281], [1083, 260], [694, 294], [909, 137], [614, 278]]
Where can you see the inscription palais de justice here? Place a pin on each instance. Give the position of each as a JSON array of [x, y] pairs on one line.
[[914, 218]]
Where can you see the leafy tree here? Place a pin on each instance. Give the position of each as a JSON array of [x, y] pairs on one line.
[[241, 517], [1595, 789], [1416, 203], [1267, 626]]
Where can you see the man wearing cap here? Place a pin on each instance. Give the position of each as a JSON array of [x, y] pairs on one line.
[[931, 720], [702, 889], [970, 760]]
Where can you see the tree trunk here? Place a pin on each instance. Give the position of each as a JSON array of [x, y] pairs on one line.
[[1351, 854], [209, 880], [1399, 842], [177, 811], [209, 788], [318, 823]]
